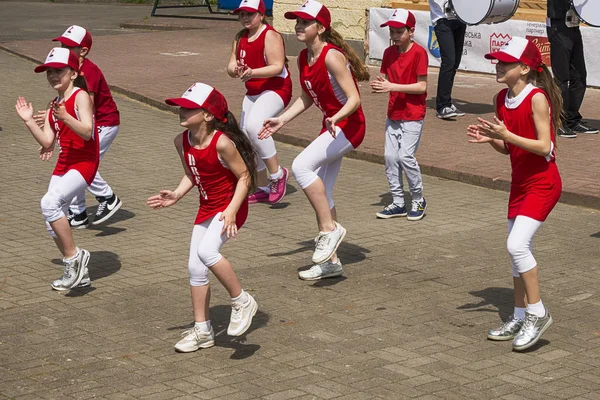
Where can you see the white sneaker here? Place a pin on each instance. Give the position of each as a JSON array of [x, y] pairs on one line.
[[241, 316], [327, 269], [195, 339], [327, 244], [73, 273], [85, 281]]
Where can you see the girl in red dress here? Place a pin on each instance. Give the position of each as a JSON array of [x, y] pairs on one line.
[[219, 159], [328, 72], [69, 122], [527, 115], [258, 59]]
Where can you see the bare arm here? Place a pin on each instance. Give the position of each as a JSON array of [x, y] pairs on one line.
[[498, 144], [541, 118], [44, 136], [232, 65], [275, 55], [82, 126], [336, 65], [383, 85]]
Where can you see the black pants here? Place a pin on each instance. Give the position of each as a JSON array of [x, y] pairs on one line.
[[451, 38], [568, 66]]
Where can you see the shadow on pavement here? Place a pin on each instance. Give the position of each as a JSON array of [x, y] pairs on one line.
[[350, 253], [219, 318], [104, 228], [541, 343], [501, 298], [102, 264], [465, 106], [596, 235]]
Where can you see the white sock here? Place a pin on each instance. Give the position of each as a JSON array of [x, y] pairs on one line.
[[277, 175], [520, 312], [242, 298], [537, 309], [265, 189], [74, 257], [399, 204], [203, 326]]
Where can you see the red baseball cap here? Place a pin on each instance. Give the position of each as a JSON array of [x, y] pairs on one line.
[[401, 18], [75, 36], [201, 95], [312, 10], [518, 49], [251, 6], [59, 58]]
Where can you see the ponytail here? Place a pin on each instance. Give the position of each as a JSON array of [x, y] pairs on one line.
[[544, 80], [242, 144], [80, 82], [357, 66]]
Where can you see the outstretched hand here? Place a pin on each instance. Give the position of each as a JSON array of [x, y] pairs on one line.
[[24, 109], [46, 153], [166, 198], [496, 130], [270, 126], [381, 85]]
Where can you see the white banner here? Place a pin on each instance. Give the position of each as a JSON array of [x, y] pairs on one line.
[[479, 40]]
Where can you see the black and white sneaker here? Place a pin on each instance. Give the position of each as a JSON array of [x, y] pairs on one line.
[[446, 113], [566, 132], [584, 128], [457, 111], [107, 207], [78, 221]]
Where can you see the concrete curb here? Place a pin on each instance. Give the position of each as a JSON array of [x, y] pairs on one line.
[[572, 198]]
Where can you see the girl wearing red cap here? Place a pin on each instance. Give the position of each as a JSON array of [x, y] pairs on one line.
[[527, 115], [218, 158], [258, 59], [69, 123], [328, 72]]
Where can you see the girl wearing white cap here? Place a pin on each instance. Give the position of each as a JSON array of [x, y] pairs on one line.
[[328, 72], [258, 59], [218, 158], [69, 123], [527, 115]]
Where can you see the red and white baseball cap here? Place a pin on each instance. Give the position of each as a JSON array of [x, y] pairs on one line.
[[518, 49], [401, 18], [59, 58], [75, 36], [251, 6], [201, 95], [312, 10]]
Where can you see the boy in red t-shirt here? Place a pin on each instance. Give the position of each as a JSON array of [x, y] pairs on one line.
[[107, 119], [404, 76]]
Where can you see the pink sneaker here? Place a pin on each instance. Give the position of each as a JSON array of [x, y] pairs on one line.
[[278, 188], [258, 197]]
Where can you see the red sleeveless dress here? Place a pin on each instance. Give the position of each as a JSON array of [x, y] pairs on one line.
[[536, 184], [74, 152], [317, 83], [216, 184], [253, 55]]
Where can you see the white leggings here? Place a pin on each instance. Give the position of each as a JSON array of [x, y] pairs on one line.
[[255, 109], [519, 243], [99, 187], [322, 159], [61, 190], [204, 249]]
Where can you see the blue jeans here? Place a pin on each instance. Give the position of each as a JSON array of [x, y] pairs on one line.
[[401, 143]]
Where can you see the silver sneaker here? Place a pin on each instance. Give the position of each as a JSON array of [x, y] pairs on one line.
[[241, 316], [195, 339], [327, 269], [74, 270], [85, 281], [327, 244], [532, 330], [507, 330]]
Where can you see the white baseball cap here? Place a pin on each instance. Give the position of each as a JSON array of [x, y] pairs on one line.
[[75, 36], [312, 10], [59, 58], [251, 6], [401, 18], [518, 49], [201, 95]]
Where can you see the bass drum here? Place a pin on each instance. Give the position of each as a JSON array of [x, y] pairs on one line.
[[475, 12], [588, 11]]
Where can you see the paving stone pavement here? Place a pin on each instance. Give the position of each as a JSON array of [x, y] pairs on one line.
[[161, 63], [407, 320]]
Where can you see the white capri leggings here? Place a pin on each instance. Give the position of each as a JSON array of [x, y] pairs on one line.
[[322, 159], [255, 109], [204, 249], [519, 243], [61, 190]]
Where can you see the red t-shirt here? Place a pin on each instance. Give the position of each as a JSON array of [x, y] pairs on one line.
[[253, 55], [106, 112], [405, 68], [216, 184], [74, 152]]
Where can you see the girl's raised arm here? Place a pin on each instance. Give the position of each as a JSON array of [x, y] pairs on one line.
[[44, 137]]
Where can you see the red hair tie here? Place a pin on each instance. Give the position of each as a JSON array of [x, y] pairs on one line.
[[540, 68]]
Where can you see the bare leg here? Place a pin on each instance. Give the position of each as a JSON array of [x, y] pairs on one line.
[[315, 193], [225, 274], [200, 302], [334, 258], [64, 237], [520, 298], [531, 285], [272, 164]]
